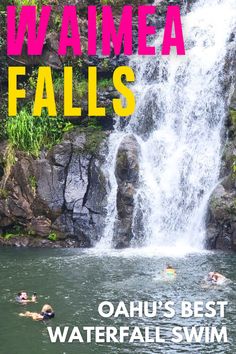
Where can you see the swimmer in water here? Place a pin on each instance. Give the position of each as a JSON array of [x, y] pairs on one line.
[[170, 272], [22, 298], [216, 278], [34, 297], [47, 313]]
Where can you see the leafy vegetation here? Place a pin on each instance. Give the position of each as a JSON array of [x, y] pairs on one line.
[[3, 193], [94, 138], [31, 134], [104, 84], [233, 117], [52, 237], [16, 231], [93, 123], [81, 88], [108, 2], [19, 3], [9, 160], [2, 127], [8, 236], [33, 183], [30, 2]]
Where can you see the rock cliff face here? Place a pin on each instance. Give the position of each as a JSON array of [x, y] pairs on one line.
[[62, 192], [127, 175], [221, 219]]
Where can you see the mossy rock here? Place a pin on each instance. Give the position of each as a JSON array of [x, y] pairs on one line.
[[232, 208], [3, 193], [94, 140], [233, 117]]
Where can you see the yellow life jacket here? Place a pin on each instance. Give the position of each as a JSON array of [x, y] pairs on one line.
[[170, 272]]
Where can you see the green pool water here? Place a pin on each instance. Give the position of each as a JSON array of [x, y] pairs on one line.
[[75, 282]]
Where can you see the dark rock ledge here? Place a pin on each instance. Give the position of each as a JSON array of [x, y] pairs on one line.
[[59, 196]]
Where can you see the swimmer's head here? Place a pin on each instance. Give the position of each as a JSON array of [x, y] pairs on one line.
[[24, 295], [210, 275], [47, 308], [169, 267]]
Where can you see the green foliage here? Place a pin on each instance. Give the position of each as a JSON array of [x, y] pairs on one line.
[[94, 139], [31, 233], [67, 126], [16, 231], [3, 193], [107, 2], [9, 158], [2, 129], [110, 111], [30, 2], [99, 20], [33, 79], [81, 88], [31, 134], [8, 236], [4, 4], [105, 64], [2, 41], [234, 168], [233, 117], [231, 208], [33, 183], [93, 124], [3, 117], [104, 84], [52, 236], [26, 133], [25, 2], [8, 161], [59, 86], [57, 22]]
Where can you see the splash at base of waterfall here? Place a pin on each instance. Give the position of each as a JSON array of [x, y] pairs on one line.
[[179, 250]]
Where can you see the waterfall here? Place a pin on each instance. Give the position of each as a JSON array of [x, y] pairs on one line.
[[181, 106]]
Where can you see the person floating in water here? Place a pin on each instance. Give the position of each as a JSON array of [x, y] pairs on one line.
[[22, 298], [216, 278], [34, 297], [46, 313], [170, 272]]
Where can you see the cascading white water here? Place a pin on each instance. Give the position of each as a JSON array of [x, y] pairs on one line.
[[180, 112]]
